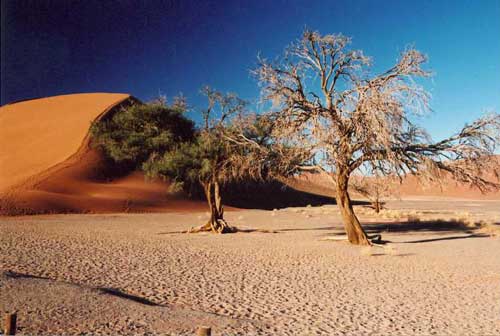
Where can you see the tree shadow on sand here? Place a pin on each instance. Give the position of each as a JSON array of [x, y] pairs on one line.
[[426, 226], [123, 295], [452, 229], [17, 275], [236, 230], [102, 290]]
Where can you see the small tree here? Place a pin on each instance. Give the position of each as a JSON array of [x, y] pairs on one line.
[[325, 97], [375, 188], [205, 160], [231, 145]]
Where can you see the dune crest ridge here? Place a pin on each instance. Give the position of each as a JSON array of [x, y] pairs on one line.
[[48, 166]]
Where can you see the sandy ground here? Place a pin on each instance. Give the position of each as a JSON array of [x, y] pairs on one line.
[[134, 274]]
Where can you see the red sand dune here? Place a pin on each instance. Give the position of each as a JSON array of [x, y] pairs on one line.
[[47, 165], [38, 134], [411, 186]]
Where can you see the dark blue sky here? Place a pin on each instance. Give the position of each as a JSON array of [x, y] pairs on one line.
[[151, 47]]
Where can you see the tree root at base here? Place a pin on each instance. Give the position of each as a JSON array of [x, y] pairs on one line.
[[215, 226], [227, 229]]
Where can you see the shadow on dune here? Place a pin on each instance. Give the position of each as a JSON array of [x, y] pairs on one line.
[[272, 195]]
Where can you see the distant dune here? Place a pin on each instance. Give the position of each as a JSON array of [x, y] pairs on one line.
[[410, 187], [47, 165]]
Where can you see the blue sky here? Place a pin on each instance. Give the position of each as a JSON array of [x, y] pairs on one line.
[[151, 47]]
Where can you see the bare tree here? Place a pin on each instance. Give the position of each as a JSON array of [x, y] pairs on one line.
[[325, 100], [375, 188]]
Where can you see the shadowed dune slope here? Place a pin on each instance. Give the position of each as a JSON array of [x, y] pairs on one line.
[[41, 133], [47, 165]]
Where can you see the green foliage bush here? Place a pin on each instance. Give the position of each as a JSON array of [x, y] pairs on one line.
[[141, 132], [188, 163]]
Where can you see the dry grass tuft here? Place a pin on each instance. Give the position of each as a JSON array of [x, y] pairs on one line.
[[463, 220], [413, 219], [467, 220], [490, 228]]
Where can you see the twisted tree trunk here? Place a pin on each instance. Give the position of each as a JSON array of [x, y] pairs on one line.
[[216, 223], [355, 233]]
